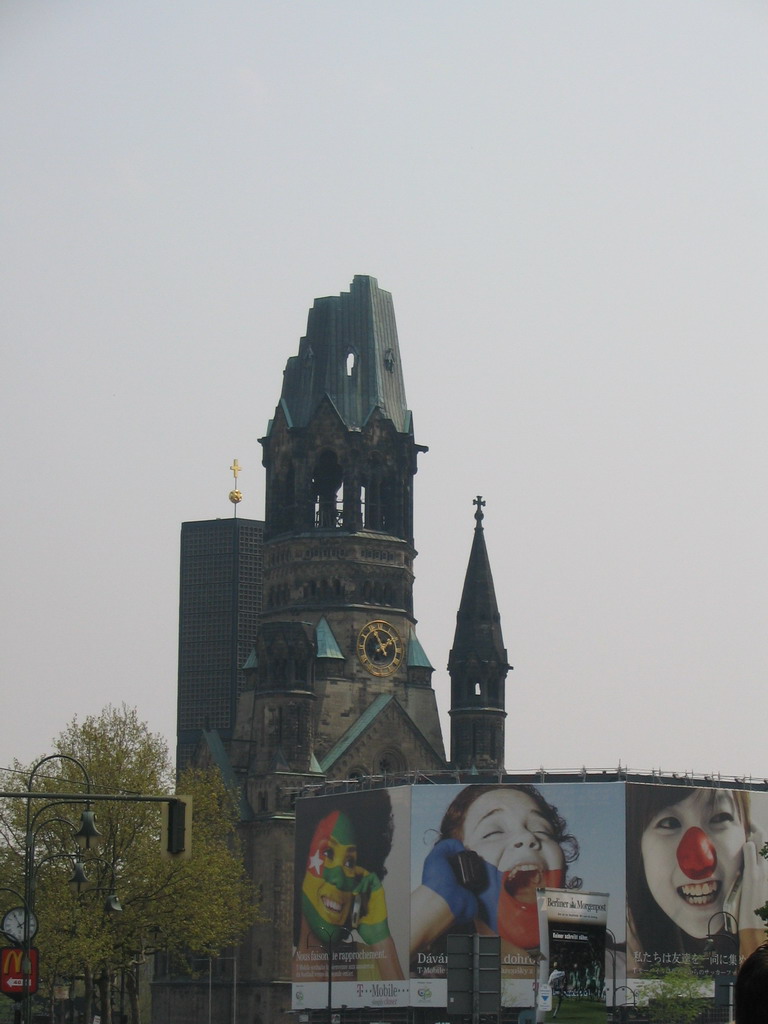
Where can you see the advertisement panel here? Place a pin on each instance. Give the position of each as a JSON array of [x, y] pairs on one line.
[[351, 900], [572, 927], [384, 876], [18, 979], [478, 855], [694, 877]]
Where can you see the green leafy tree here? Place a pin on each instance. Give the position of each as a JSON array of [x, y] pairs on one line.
[[192, 907], [674, 996]]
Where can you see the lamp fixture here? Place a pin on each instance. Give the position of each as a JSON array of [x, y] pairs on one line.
[[79, 880], [87, 836]]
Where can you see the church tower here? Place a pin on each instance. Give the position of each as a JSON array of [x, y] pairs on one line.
[[478, 666], [332, 683], [337, 685], [337, 635]]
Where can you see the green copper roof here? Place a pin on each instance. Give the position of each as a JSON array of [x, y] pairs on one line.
[[218, 753], [416, 656], [351, 355], [279, 763], [326, 641]]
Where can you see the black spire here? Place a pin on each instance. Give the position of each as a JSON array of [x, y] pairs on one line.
[[478, 623], [478, 664]]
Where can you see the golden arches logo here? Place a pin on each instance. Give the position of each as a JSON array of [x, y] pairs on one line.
[[18, 971], [11, 961]]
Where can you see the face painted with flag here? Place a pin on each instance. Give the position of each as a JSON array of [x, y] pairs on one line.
[[332, 877]]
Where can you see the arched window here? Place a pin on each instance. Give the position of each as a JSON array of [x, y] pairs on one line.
[[326, 482], [389, 762]]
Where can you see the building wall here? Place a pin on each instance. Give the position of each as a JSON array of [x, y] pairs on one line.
[[220, 597]]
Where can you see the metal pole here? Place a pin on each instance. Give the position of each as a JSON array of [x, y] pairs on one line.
[[210, 988], [330, 977], [29, 858], [475, 979], [29, 904], [612, 951], [234, 990]]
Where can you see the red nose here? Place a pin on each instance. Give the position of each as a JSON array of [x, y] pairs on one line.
[[696, 854]]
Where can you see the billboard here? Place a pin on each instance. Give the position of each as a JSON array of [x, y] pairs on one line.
[[383, 876], [572, 927], [351, 900], [478, 855], [694, 877]]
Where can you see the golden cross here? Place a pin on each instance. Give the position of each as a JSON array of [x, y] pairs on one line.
[[235, 467]]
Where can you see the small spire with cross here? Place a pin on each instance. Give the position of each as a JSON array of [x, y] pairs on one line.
[[235, 496], [480, 505]]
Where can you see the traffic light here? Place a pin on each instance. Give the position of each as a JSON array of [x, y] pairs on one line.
[[177, 827]]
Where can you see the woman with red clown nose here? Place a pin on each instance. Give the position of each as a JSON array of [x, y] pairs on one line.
[[694, 874]]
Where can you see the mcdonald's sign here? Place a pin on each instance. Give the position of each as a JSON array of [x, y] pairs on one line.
[[15, 981]]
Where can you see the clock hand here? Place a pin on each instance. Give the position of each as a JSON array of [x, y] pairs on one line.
[[379, 647]]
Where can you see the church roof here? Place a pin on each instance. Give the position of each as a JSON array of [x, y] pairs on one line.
[[279, 762], [215, 744], [417, 657], [385, 704], [350, 354], [327, 647], [478, 623]]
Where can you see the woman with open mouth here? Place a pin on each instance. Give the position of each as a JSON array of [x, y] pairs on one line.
[[497, 845]]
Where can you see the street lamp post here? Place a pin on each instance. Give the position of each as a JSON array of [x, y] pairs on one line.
[[11, 922], [730, 928], [86, 837], [730, 931], [631, 992], [209, 960], [538, 959], [611, 950], [330, 976]]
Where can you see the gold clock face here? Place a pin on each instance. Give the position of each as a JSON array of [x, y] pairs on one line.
[[380, 648]]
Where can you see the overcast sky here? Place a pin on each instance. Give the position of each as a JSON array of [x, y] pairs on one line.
[[568, 202]]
